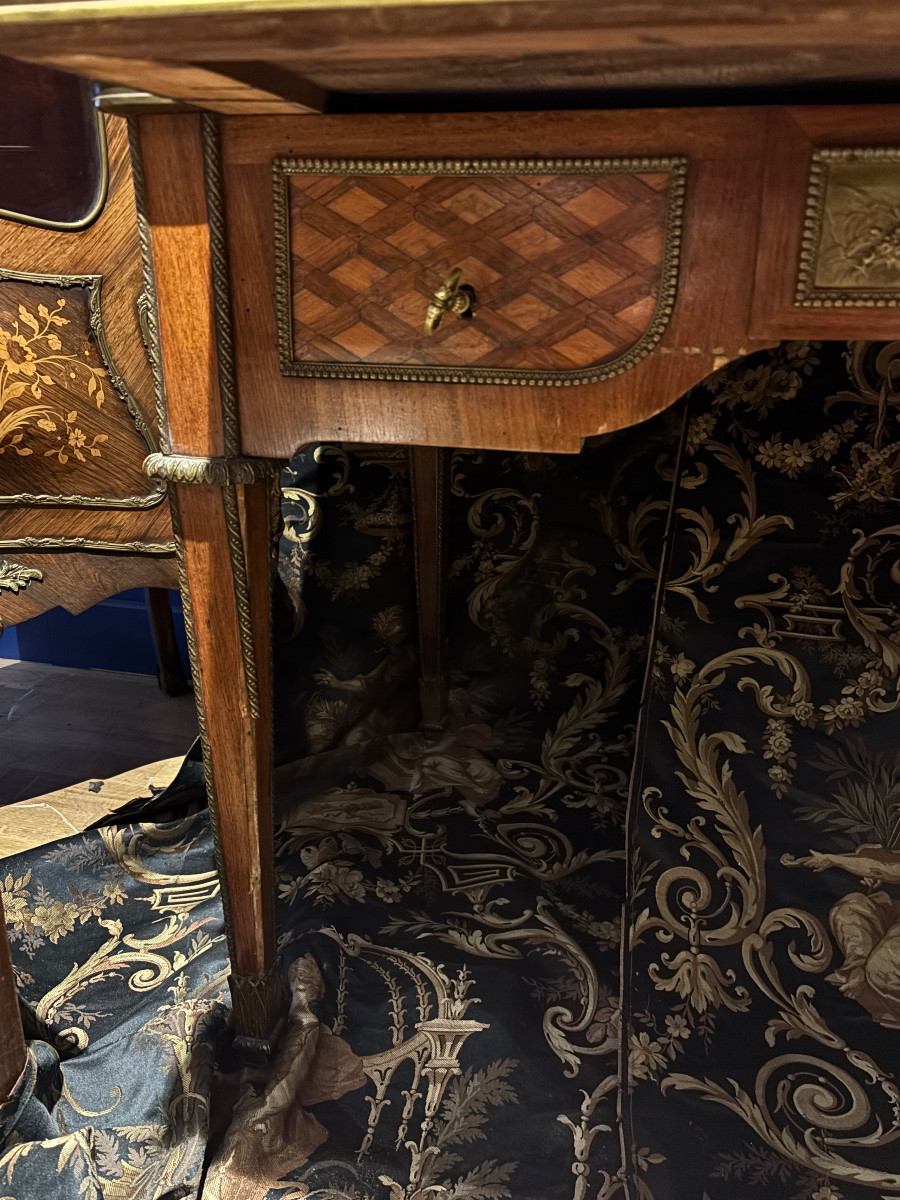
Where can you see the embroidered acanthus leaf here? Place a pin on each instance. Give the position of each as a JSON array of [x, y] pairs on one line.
[[485, 1182], [106, 1147]]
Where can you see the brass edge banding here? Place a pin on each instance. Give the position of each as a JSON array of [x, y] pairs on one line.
[[219, 472], [86, 543], [230, 428], [284, 167], [99, 200], [148, 313], [124, 101], [807, 294], [54, 12], [92, 283]]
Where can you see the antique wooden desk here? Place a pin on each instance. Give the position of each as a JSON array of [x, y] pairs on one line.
[[584, 262]]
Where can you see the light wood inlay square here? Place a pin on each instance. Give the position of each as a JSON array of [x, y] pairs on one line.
[[415, 239], [358, 273], [473, 204], [584, 345], [357, 205], [532, 241], [595, 206], [360, 339], [526, 311], [591, 277]]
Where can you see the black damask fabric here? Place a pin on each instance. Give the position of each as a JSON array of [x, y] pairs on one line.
[[450, 907], [763, 971]]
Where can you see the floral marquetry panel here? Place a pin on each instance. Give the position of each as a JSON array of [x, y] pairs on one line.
[[69, 429], [572, 263]]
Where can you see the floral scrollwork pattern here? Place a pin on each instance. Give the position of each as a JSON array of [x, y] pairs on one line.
[[767, 765]]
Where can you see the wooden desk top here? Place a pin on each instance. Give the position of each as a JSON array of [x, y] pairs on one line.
[[268, 56]]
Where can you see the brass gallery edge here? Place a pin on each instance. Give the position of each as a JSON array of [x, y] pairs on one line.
[[850, 252], [92, 285], [284, 167]]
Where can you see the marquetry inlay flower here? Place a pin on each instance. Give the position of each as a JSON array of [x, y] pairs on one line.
[[34, 365], [16, 354]]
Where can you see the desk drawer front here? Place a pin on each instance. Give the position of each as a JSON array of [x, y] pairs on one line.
[[573, 265]]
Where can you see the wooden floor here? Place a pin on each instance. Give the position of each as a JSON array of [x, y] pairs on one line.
[[76, 744]]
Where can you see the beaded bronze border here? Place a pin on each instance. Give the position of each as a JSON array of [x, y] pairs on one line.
[[283, 168], [807, 294]]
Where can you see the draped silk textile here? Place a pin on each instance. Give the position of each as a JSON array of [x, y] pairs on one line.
[[450, 908]]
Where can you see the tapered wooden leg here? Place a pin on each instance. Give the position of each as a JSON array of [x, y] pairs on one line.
[[428, 475], [223, 507], [12, 1039], [230, 609], [169, 670]]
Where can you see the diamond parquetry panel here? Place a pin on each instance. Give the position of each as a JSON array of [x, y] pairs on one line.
[[568, 269]]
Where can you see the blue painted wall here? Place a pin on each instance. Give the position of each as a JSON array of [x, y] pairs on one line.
[[114, 635]]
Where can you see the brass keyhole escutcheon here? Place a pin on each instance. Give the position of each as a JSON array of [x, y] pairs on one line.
[[451, 297]]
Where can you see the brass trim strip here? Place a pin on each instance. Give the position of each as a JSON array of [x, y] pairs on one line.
[[126, 101], [86, 543], [215, 211], [106, 10], [99, 200], [92, 284], [231, 435], [219, 472], [148, 311], [807, 294], [284, 167], [241, 582]]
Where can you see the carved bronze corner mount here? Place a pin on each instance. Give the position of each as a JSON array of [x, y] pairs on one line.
[[219, 472], [15, 578]]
